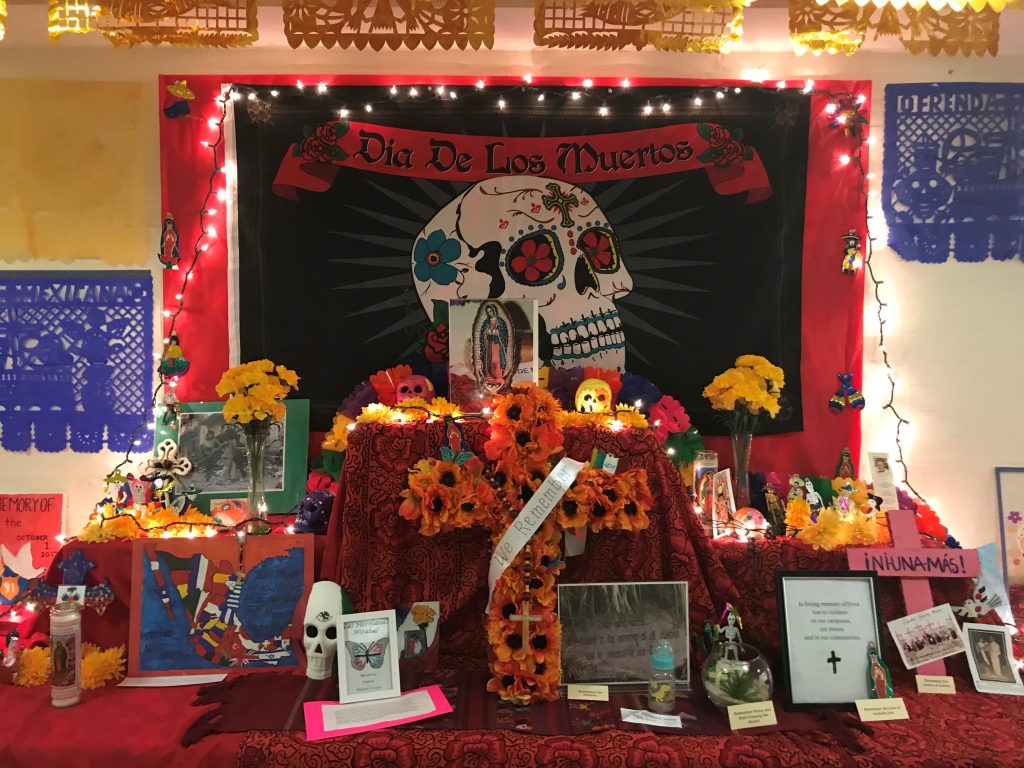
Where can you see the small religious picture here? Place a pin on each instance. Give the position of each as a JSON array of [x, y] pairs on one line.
[[492, 345], [418, 628], [927, 636], [991, 659], [368, 656], [882, 479], [723, 508]]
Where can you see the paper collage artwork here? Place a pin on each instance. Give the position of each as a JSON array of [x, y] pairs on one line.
[[207, 604]]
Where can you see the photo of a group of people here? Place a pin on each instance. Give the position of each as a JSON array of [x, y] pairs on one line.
[[927, 636]]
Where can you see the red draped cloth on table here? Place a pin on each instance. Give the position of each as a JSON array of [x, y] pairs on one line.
[[381, 559]]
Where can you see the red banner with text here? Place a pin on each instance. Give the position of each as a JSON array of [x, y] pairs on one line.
[[733, 168]]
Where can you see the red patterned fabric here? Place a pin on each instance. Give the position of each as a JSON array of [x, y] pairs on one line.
[[969, 730], [381, 559]]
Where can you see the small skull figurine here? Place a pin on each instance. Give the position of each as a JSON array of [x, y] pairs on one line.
[[321, 629], [594, 396], [414, 386]]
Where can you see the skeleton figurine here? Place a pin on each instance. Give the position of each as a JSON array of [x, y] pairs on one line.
[[813, 500], [729, 627], [320, 631], [534, 238]]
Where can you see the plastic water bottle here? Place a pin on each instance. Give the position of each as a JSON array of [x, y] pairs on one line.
[[661, 692]]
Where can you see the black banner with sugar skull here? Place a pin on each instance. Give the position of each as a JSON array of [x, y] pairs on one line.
[[664, 243]]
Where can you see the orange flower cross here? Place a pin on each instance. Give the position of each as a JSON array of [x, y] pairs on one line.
[[522, 628]]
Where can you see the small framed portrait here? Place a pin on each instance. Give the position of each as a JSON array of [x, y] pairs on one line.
[[827, 621], [216, 449], [368, 651], [991, 659]]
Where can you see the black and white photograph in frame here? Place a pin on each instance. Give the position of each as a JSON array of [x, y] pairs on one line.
[[927, 636], [368, 652], [827, 619], [990, 656], [217, 451], [608, 631]]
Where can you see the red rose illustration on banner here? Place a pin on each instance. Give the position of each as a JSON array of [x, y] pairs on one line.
[[725, 145], [567, 753], [384, 749], [475, 750], [718, 136], [436, 350], [731, 152], [314, 149]]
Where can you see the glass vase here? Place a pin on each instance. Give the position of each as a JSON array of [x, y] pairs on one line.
[[741, 460], [256, 434], [736, 673]]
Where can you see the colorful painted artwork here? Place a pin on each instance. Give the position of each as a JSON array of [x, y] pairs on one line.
[[211, 604], [29, 524]]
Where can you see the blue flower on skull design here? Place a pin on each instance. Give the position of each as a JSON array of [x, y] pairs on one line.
[[433, 256]]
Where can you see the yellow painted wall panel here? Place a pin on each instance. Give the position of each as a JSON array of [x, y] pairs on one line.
[[73, 171]]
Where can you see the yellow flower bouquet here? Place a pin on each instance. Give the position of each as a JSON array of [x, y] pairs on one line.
[[749, 390], [746, 392], [255, 395]]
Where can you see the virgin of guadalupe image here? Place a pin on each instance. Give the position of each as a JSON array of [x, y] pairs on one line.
[[494, 353]]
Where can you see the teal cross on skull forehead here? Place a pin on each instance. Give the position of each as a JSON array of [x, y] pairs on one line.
[[558, 199]]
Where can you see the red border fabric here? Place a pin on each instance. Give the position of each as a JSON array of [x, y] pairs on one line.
[[832, 305]]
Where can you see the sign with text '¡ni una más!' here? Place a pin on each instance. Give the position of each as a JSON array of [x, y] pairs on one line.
[[915, 562]]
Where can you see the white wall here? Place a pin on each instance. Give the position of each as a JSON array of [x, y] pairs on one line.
[[955, 337]]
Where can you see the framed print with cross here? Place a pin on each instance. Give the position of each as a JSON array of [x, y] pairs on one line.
[[827, 620]]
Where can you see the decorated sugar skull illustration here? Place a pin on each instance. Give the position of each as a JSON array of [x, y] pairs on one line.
[[414, 386], [532, 238]]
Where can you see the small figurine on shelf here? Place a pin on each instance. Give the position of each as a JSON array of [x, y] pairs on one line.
[[879, 680], [813, 499], [174, 362], [851, 253], [796, 488], [729, 627], [169, 255], [776, 512], [845, 467]]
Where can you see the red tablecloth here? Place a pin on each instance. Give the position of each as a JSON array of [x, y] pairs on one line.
[[142, 727], [382, 560]]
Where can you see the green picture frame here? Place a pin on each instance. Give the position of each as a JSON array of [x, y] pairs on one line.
[[217, 452]]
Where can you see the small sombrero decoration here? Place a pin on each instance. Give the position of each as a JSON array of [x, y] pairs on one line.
[[180, 89]]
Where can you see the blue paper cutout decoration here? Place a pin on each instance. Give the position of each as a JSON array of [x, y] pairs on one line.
[[953, 170], [75, 359]]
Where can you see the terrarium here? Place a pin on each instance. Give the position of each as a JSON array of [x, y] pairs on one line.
[[736, 673]]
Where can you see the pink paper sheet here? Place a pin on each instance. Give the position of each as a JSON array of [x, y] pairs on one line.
[[315, 729]]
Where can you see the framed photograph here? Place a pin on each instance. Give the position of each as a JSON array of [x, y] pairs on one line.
[[217, 452], [991, 659], [1010, 497], [827, 620], [608, 631], [927, 636], [369, 650]]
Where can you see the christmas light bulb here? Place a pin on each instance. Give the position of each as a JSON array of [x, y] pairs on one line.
[[394, 90], [719, 94], [205, 143], [588, 83], [540, 97], [251, 96], [413, 92], [697, 101], [808, 86], [844, 159], [527, 79], [603, 111], [452, 95], [480, 85], [290, 528], [575, 95], [625, 83], [167, 313], [670, 451], [343, 113], [321, 88], [368, 107], [648, 109], [299, 85], [831, 107], [501, 103], [861, 98], [211, 231], [212, 122], [666, 108], [222, 195], [274, 93], [781, 84]]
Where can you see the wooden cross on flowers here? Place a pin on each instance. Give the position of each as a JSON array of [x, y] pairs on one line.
[[522, 628]]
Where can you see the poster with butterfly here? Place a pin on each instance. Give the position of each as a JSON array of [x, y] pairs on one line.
[[368, 667]]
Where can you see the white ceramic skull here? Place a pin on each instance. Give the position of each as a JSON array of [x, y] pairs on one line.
[[537, 238], [320, 630]]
